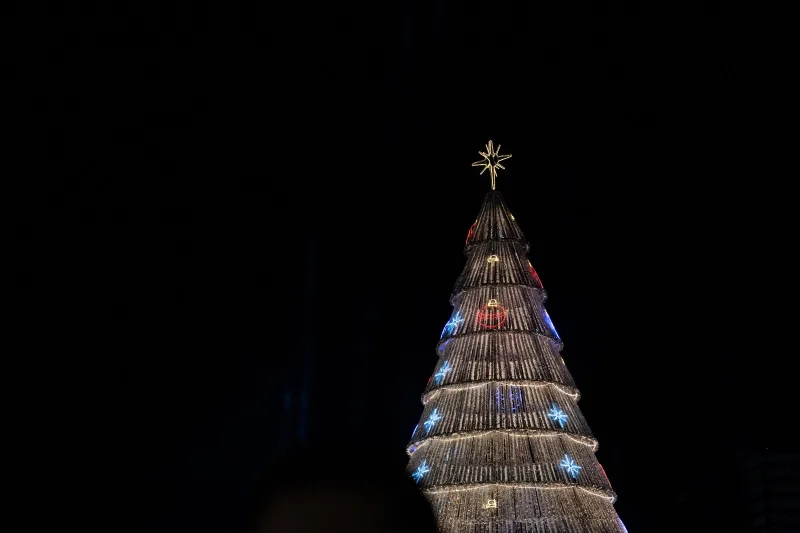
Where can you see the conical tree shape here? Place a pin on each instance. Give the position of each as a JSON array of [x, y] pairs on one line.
[[502, 446]]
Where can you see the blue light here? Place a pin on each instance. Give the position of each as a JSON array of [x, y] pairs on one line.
[[550, 324], [431, 421], [452, 324], [415, 431], [443, 345], [570, 465], [421, 470], [557, 415], [514, 398], [445, 368]]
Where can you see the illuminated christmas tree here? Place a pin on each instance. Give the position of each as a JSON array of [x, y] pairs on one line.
[[502, 446]]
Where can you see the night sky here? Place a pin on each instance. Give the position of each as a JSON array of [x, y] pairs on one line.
[[257, 213]]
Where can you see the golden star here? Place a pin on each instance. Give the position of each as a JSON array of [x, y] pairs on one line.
[[491, 160]]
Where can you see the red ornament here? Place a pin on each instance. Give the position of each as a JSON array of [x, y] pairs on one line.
[[471, 232], [535, 275], [492, 316]]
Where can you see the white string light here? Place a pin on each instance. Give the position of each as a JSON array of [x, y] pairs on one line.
[[521, 433]]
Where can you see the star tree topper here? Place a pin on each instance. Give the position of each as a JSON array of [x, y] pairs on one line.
[[491, 160]]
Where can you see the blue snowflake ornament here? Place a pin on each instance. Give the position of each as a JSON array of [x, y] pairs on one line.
[[570, 465], [452, 324], [421, 470], [431, 421], [557, 415], [444, 369]]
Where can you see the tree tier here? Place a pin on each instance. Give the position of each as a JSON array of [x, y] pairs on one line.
[[500, 308], [499, 355], [497, 406], [416, 445], [497, 263], [494, 223], [513, 509], [499, 457]]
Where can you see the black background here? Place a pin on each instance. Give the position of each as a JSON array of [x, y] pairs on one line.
[[256, 215]]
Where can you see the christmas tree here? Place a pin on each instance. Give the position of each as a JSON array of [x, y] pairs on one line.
[[502, 446]]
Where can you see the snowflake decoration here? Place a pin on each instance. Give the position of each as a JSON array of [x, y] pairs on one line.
[[421, 470], [452, 324], [557, 415], [431, 421], [442, 371], [571, 466]]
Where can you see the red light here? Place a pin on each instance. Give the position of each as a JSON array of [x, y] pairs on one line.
[[471, 232], [535, 275], [492, 317]]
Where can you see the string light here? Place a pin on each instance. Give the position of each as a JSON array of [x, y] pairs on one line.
[[475, 384], [537, 486], [513, 433]]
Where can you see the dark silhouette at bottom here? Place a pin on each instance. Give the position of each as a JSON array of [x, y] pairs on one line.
[[326, 491]]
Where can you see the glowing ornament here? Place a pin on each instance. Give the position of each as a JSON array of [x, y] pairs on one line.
[[490, 504], [415, 431], [570, 466], [557, 415], [492, 316], [452, 324], [431, 421], [493, 259], [445, 368], [421, 470]]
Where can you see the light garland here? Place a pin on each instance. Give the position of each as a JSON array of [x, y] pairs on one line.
[[467, 386], [612, 497], [589, 442]]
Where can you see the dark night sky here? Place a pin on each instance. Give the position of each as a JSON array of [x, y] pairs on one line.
[[240, 191]]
